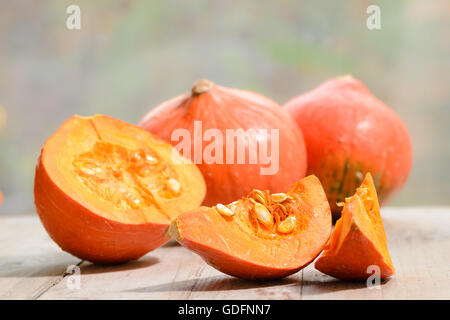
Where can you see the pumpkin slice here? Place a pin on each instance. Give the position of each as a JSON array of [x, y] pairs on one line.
[[358, 240], [106, 190], [262, 236]]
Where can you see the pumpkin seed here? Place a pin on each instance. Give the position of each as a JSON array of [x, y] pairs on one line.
[[224, 210], [88, 171], [279, 197], [287, 225], [173, 185], [151, 159], [263, 215], [259, 196], [233, 205]]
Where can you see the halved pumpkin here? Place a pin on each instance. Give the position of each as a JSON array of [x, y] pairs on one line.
[[106, 190], [262, 236], [358, 240]]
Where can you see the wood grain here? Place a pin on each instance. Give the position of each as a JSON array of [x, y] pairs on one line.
[[33, 267], [30, 263]]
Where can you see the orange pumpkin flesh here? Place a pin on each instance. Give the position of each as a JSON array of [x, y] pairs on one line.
[[349, 132], [106, 190], [220, 108], [358, 240], [241, 246]]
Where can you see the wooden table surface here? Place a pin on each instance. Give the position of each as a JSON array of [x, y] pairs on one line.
[[33, 267]]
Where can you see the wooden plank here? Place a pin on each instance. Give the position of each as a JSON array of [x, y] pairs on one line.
[[421, 253], [30, 263], [419, 243], [214, 285], [171, 272], [166, 273], [32, 266]]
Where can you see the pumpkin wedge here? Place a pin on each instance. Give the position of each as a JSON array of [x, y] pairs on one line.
[[358, 240], [262, 236], [106, 190]]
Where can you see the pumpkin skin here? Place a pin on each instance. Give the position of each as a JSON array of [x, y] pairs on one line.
[[86, 196], [349, 132], [358, 241], [233, 245], [221, 108]]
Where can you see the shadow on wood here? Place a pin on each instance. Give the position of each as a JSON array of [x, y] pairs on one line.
[[216, 283], [56, 264], [144, 262], [330, 285], [42, 265]]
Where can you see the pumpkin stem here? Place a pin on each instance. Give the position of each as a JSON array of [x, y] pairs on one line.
[[202, 86]]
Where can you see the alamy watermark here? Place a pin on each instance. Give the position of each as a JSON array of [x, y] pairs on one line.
[[234, 146], [373, 21], [374, 280], [73, 277], [73, 21]]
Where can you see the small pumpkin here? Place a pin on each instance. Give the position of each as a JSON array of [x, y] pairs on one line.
[[262, 236], [358, 243], [218, 111], [106, 190], [349, 132]]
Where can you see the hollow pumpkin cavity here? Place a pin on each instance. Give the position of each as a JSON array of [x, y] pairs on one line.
[[127, 178], [268, 216]]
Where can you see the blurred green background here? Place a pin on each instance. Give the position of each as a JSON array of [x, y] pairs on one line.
[[131, 55]]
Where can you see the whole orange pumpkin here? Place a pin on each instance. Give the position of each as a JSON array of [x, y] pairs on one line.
[[239, 139], [349, 132]]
